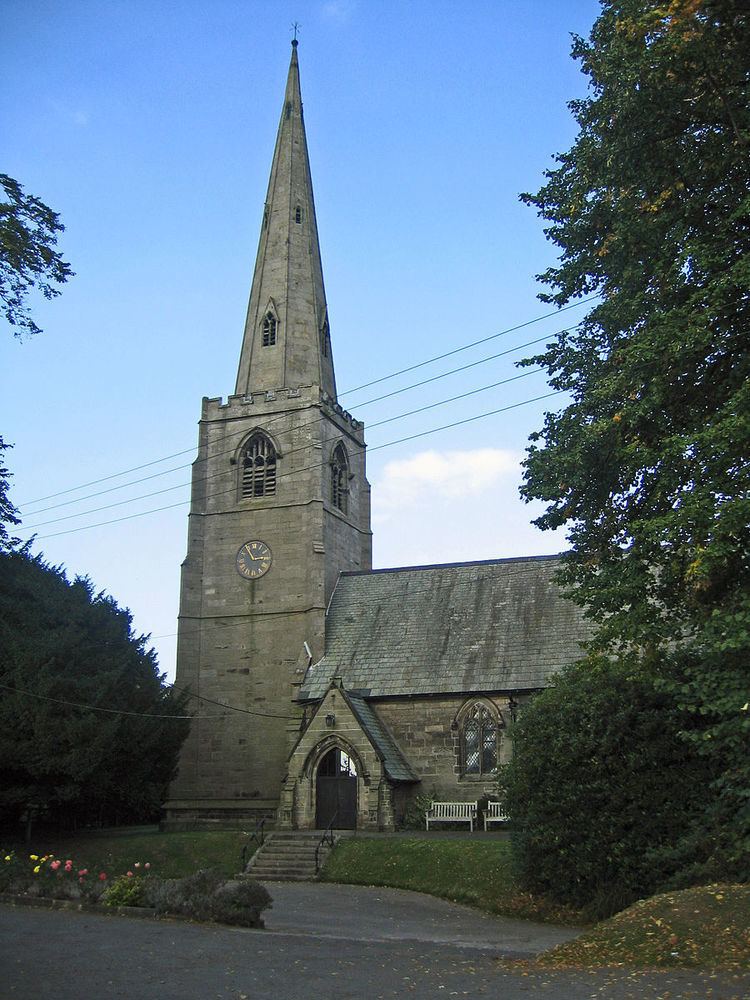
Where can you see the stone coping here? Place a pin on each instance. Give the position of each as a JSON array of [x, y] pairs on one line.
[[81, 906], [46, 902]]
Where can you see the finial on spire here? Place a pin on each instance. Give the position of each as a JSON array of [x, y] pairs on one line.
[[295, 29]]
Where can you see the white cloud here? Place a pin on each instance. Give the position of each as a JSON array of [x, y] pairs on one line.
[[74, 116], [455, 506], [338, 10], [438, 475]]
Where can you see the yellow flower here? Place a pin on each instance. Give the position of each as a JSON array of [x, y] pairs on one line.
[[36, 870], [33, 857], [8, 857]]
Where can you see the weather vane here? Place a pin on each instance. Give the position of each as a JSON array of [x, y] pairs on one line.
[[295, 28]]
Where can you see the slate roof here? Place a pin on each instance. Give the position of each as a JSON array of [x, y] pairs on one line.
[[396, 766], [498, 625]]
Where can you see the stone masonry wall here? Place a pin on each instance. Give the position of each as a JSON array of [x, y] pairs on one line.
[[424, 730], [298, 802], [242, 642]]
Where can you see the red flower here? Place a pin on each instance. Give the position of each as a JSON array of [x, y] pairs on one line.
[[102, 876]]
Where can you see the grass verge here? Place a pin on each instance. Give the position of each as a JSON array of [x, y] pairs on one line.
[[706, 927], [478, 873], [171, 855]]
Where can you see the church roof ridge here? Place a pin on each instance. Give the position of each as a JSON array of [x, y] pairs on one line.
[[452, 565]]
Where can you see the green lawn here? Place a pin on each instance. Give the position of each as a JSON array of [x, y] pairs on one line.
[[477, 872], [170, 855]]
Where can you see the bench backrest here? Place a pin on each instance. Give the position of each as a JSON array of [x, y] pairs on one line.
[[494, 809], [454, 808]]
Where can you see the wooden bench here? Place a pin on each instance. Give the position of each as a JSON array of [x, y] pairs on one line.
[[494, 814], [452, 812]]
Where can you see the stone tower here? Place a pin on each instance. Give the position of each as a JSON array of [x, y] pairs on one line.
[[280, 506]]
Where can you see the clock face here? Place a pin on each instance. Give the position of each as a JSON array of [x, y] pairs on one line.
[[253, 560]]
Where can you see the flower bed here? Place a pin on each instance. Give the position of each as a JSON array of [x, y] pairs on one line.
[[205, 895]]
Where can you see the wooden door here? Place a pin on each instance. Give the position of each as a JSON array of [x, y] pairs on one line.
[[336, 792]]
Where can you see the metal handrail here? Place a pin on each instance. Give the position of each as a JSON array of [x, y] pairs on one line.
[[257, 835], [326, 838]]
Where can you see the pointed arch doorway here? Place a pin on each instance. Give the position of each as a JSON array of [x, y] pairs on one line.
[[336, 791]]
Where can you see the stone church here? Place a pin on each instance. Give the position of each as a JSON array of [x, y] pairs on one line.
[[352, 690]]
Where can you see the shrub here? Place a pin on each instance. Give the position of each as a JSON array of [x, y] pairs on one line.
[[208, 895], [413, 818], [126, 890], [240, 902], [607, 800]]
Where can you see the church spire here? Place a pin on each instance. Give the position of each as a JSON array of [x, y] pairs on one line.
[[286, 341]]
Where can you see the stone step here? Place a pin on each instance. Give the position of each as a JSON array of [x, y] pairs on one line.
[[289, 845], [283, 862], [295, 838], [280, 859], [288, 856], [286, 878], [289, 869]]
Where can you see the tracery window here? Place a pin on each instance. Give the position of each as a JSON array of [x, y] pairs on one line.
[[258, 468], [479, 734], [340, 479], [269, 329]]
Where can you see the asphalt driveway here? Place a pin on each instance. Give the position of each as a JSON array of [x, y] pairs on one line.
[[361, 913], [322, 943]]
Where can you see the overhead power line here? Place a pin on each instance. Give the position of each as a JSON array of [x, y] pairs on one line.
[[96, 708], [347, 392], [380, 447], [269, 424], [291, 451], [149, 715], [466, 347], [234, 708]]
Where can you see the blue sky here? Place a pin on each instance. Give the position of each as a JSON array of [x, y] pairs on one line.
[[150, 127]]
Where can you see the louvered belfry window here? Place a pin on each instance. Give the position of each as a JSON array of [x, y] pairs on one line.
[[340, 479], [258, 468], [479, 741], [269, 330]]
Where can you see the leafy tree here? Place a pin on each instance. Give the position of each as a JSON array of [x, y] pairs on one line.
[[8, 513], [28, 258], [647, 467], [606, 798], [64, 647]]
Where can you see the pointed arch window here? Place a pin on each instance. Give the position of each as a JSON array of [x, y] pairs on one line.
[[479, 735], [325, 338], [298, 214], [270, 325], [340, 479], [258, 468]]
